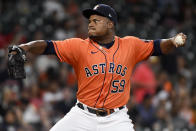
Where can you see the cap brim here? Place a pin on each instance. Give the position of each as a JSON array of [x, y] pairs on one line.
[[88, 12]]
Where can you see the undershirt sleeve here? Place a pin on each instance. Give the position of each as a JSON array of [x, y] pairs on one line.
[[49, 48], [157, 49]]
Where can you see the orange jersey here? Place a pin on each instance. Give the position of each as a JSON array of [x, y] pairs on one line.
[[103, 74]]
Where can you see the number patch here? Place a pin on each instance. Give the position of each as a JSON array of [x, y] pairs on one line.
[[118, 86]]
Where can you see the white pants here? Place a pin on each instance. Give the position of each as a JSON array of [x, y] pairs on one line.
[[82, 120]]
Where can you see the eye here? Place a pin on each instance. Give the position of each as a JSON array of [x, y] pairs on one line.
[[90, 21], [94, 21]]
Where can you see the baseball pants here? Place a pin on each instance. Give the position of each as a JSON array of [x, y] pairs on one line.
[[82, 120]]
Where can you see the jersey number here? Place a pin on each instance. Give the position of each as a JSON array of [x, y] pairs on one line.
[[118, 86]]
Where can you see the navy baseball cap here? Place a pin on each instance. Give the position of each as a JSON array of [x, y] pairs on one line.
[[102, 10]]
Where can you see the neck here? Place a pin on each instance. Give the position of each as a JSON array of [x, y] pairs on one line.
[[104, 39]]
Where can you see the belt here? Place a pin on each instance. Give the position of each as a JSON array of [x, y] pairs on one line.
[[99, 111]]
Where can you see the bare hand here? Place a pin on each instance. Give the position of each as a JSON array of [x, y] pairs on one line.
[[179, 40]]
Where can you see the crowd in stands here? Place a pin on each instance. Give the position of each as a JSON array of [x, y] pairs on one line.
[[163, 89]]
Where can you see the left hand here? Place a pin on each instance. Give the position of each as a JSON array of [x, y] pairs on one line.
[[179, 40]]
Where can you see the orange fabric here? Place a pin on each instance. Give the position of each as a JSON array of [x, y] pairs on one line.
[[103, 74], [168, 86]]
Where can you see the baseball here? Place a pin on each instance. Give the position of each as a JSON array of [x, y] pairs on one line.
[[179, 40]]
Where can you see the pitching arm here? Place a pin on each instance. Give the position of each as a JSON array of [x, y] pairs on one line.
[[167, 45]]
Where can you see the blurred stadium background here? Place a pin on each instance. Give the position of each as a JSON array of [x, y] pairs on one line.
[[163, 95]]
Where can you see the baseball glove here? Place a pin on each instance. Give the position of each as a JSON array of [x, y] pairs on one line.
[[16, 60]]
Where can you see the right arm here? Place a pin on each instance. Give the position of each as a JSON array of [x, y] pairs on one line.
[[17, 56], [35, 47], [67, 51]]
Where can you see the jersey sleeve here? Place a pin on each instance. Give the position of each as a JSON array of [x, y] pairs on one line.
[[142, 49], [68, 50]]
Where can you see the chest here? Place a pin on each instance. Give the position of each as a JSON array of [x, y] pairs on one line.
[[99, 60]]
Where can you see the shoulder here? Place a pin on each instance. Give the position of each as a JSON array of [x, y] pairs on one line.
[[73, 42], [129, 38], [76, 40]]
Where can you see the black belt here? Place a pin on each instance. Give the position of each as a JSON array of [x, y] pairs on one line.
[[100, 111]]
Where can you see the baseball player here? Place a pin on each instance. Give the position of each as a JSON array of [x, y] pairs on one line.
[[103, 64]]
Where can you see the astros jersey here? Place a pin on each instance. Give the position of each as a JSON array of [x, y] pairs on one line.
[[103, 74]]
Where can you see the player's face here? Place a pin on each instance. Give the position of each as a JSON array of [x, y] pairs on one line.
[[98, 26]]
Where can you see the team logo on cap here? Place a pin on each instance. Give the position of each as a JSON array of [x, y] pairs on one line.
[[110, 15], [95, 7]]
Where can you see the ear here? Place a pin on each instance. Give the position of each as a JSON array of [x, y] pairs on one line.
[[110, 24]]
